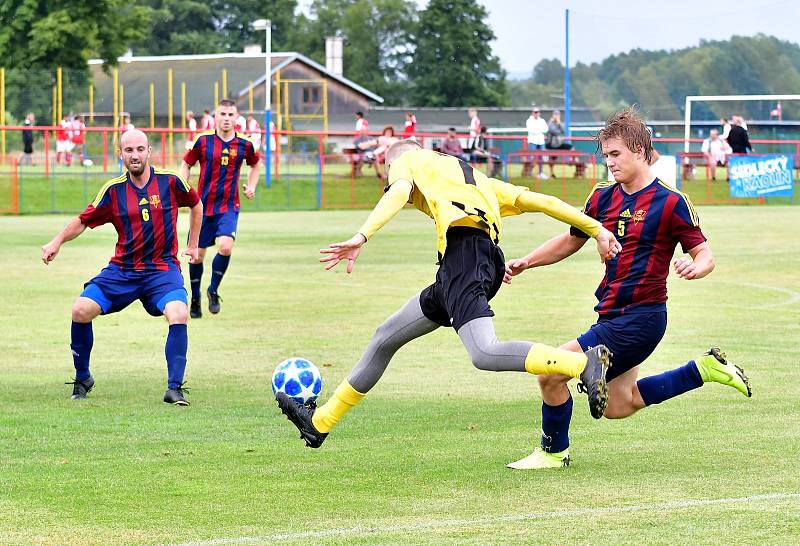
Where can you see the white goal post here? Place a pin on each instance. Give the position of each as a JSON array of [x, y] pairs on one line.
[[687, 121]]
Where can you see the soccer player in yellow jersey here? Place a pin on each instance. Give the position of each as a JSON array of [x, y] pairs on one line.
[[467, 207]]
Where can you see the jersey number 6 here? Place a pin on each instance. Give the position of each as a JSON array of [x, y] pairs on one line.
[[146, 214]]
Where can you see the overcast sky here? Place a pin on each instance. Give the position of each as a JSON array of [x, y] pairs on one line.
[[530, 30]]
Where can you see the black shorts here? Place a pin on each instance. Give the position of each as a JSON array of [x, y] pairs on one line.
[[469, 275]]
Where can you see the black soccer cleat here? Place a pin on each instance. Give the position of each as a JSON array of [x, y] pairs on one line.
[[300, 416], [176, 397], [593, 379], [213, 302], [195, 311], [81, 388]]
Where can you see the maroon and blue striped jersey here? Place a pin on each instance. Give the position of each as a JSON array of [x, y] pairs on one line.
[[649, 224], [220, 163], [146, 219]]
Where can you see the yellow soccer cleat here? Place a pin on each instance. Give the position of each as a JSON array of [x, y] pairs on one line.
[[541, 459], [713, 366]]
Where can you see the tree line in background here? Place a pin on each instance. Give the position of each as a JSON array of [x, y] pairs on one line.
[[440, 56], [659, 81]]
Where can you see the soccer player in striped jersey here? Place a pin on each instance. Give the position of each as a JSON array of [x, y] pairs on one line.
[[466, 207], [221, 154], [142, 205], [649, 218]]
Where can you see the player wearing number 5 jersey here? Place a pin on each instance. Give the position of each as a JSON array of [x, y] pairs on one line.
[[142, 205], [221, 154], [650, 219], [466, 207]]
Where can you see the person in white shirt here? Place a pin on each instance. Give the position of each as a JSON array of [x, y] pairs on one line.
[[726, 128], [254, 132], [241, 124], [474, 127], [191, 124], [361, 122], [716, 151], [537, 128]]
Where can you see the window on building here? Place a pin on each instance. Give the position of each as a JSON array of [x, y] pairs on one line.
[[310, 95]]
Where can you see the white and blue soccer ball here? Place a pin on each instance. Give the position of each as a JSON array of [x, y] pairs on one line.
[[299, 379]]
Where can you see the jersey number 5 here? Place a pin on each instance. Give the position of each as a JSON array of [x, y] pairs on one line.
[[621, 228], [146, 215]]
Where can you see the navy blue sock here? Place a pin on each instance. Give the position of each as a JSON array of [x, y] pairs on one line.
[[218, 268], [195, 274], [175, 350], [82, 341], [555, 426], [657, 388]]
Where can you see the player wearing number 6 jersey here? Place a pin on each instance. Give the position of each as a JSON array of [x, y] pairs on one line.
[[467, 208], [143, 207], [221, 154]]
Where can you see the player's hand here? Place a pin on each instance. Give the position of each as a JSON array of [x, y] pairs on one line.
[[685, 268], [49, 252], [607, 245], [514, 268], [193, 253], [249, 192], [346, 250]]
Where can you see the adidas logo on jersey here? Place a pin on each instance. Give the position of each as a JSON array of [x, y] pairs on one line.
[[143, 201], [625, 214]]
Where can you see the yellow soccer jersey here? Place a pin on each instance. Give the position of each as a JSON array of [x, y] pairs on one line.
[[449, 190]]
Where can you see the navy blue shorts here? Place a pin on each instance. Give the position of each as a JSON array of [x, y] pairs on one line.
[[218, 225], [631, 338], [114, 289]]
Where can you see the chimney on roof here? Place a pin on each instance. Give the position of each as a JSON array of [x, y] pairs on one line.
[[252, 49], [333, 54]]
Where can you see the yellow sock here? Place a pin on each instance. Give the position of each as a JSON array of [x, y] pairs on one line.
[[344, 398], [545, 360]]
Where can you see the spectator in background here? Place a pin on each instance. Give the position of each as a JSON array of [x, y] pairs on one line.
[[537, 128], [451, 145], [555, 139], [726, 128], [27, 140], [410, 126], [365, 150], [716, 152], [738, 139], [64, 141], [254, 132], [126, 124], [79, 136], [240, 126], [482, 154], [191, 124], [474, 127], [739, 120], [382, 143], [361, 123], [207, 122]]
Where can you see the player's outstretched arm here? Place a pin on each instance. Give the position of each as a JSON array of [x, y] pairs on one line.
[[74, 228], [700, 264], [553, 251], [607, 244], [195, 221], [389, 205]]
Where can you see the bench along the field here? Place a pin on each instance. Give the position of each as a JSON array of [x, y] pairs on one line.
[[572, 158], [357, 158]]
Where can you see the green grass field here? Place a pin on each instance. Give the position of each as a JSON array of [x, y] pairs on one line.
[[422, 459]]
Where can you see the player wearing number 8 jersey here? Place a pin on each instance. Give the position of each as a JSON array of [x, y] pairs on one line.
[[142, 205], [221, 154], [467, 208]]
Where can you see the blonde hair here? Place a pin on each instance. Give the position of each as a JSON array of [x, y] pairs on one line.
[[628, 126], [398, 148]]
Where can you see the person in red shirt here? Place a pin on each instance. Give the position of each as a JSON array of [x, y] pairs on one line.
[[221, 154], [410, 126], [79, 136], [142, 205], [207, 123], [64, 141]]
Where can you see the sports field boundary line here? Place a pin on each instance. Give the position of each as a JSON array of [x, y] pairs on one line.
[[376, 529]]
